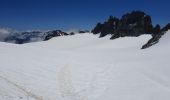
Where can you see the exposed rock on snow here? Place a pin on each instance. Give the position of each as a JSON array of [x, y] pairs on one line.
[[156, 36], [131, 24]]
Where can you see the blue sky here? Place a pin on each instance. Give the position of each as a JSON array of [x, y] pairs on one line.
[[74, 14]]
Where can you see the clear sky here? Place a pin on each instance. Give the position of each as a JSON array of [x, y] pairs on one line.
[[75, 14]]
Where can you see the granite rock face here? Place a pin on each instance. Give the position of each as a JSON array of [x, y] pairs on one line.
[[131, 24]]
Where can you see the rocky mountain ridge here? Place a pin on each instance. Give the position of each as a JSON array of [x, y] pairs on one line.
[[131, 24]]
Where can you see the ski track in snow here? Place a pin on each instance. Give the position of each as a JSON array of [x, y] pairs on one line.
[[66, 88], [84, 68], [156, 80], [26, 92]]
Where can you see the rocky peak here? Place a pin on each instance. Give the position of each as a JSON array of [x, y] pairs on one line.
[[130, 24]]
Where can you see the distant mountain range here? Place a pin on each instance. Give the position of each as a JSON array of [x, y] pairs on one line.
[[11, 36], [32, 36], [131, 24]]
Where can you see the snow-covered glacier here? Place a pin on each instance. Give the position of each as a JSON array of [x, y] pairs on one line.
[[84, 67]]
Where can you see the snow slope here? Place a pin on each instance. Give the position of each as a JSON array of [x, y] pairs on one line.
[[84, 67]]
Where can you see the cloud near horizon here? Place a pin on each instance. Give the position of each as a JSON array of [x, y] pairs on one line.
[[4, 33]]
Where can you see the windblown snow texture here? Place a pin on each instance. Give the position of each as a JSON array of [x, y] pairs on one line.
[[84, 67]]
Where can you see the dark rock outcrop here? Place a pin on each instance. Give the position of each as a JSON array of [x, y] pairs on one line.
[[97, 29], [154, 40], [166, 28], [156, 30], [157, 34], [131, 24], [54, 33], [72, 33], [83, 31], [107, 28]]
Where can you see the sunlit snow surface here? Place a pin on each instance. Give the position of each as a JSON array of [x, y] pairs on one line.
[[85, 67]]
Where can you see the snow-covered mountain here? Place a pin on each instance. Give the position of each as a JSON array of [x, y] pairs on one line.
[[85, 67]]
